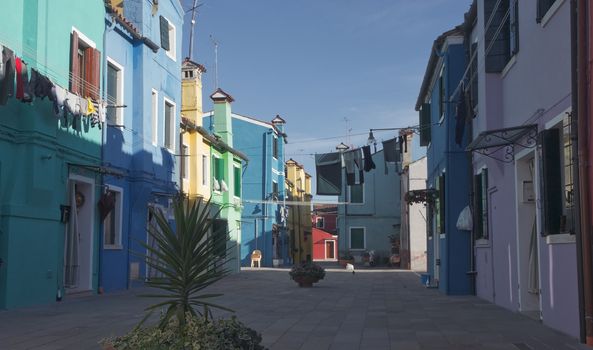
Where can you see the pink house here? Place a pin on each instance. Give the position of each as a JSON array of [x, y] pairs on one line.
[[325, 239]]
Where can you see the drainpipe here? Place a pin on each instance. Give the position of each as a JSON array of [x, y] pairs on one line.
[[579, 109]]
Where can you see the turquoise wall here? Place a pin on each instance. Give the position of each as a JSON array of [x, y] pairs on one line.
[[36, 149]]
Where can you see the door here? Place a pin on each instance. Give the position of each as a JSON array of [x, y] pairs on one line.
[[151, 272], [330, 250], [78, 242]]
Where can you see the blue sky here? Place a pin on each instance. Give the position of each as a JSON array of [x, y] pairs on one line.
[[328, 67]]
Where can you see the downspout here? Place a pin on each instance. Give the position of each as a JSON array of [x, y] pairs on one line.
[[579, 109], [108, 28]]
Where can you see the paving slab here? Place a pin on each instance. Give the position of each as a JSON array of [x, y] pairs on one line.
[[372, 309]]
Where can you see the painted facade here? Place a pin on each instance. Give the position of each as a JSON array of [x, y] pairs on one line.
[[525, 252], [142, 138], [369, 219], [325, 239], [262, 222], [417, 217], [298, 189], [447, 166], [48, 165]]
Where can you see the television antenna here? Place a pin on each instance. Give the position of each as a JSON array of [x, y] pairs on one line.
[[215, 43]]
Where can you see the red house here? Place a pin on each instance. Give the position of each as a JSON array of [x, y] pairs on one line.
[[325, 239]]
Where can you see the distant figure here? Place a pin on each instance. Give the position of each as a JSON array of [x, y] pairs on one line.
[[350, 267], [256, 258]]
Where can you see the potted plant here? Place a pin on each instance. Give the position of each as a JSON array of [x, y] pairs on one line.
[[345, 258], [307, 273]]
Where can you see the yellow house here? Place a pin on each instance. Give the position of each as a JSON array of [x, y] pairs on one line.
[[298, 188], [195, 147]]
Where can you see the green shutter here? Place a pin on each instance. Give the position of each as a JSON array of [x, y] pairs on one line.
[[425, 124], [495, 39], [237, 181], [357, 238], [164, 33], [552, 180], [542, 8], [219, 169], [442, 203]]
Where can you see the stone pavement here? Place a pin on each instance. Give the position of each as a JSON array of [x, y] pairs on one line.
[[372, 309]]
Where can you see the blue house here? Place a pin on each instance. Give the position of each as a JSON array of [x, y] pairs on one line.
[[262, 222], [143, 89], [448, 178], [373, 212]]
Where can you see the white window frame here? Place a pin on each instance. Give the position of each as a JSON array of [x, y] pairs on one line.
[[119, 112], [83, 38], [364, 233], [118, 211], [172, 121], [154, 105], [172, 52], [205, 170], [186, 161], [350, 195], [325, 249]]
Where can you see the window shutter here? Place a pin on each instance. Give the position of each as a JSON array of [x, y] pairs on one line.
[[74, 64], [478, 232], [92, 68], [425, 124], [164, 33], [552, 181], [542, 8], [237, 182], [219, 164], [498, 41], [484, 203], [96, 76], [442, 203], [514, 38]]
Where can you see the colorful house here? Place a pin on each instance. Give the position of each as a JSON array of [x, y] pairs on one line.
[[448, 178], [524, 208], [325, 238], [298, 189], [50, 164], [142, 134], [262, 222], [372, 213], [228, 166]]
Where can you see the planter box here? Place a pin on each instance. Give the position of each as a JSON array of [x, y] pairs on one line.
[[305, 281]]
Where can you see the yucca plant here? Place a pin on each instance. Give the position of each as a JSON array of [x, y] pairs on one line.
[[185, 256]]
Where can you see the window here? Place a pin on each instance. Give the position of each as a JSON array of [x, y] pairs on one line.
[[442, 97], [357, 238], [188, 74], [85, 66], [115, 92], [497, 28], [319, 222], [205, 170], [275, 194], [357, 193], [169, 124], [113, 222], [275, 145], [154, 116], [425, 125], [514, 27], [481, 205], [218, 165], [237, 180], [168, 37], [557, 182], [543, 6], [185, 161]]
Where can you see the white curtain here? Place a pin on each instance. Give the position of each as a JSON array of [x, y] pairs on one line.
[[72, 244]]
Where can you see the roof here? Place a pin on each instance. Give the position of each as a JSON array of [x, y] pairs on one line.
[[278, 120], [252, 121], [128, 26], [188, 62], [220, 95], [433, 61], [215, 141]]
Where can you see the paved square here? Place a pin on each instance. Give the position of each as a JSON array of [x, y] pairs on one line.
[[372, 309]]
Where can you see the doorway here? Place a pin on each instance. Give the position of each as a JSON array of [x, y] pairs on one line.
[[151, 224], [78, 242], [527, 237], [330, 250]]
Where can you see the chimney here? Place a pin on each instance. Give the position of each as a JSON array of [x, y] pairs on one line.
[[222, 115]]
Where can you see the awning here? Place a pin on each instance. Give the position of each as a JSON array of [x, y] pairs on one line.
[[490, 141], [104, 170], [421, 196]]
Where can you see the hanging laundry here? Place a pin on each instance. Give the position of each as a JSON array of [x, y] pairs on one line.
[[368, 159], [401, 145], [391, 152], [39, 85], [7, 71], [460, 117], [329, 174], [106, 204], [90, 107], [58, 96], [353, 162], [404, 139], [102, 111]]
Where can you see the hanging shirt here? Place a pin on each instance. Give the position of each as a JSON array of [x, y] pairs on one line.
[[7, 71], [368, 159], [58, 97], [391, 152], [90, 107], [329, 174], [353, 164]]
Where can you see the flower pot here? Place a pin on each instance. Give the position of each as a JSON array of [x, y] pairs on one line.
[[305, 281]]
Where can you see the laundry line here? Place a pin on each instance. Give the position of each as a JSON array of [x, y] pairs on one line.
[[257, 201]]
